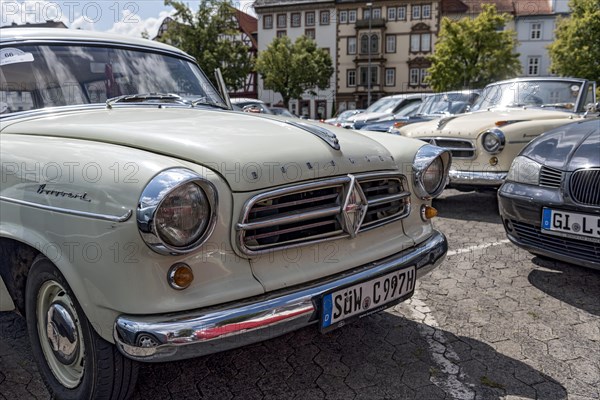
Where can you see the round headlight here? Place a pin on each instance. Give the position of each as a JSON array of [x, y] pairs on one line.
[[183, 215], [433, 176], [493, 141], [177, 211]]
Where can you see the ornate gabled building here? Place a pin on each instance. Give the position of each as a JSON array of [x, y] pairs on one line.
[[386, 42]]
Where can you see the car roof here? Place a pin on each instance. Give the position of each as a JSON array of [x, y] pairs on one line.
[[539, 78], [24, 35]]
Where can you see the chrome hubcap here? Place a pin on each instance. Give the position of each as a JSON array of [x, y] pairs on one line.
[[60, 334]]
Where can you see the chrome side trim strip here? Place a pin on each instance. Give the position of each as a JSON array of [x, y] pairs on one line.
[[103, 217], [476, 178], [188, 334]]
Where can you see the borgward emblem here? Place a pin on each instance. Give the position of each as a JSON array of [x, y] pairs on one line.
[[355, 208]]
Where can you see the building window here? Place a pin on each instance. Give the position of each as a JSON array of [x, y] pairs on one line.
[[374, 44], [281, 20], [351, 45], [343, 17], [533, 66], [377, 13], [366, 13], [416, 12], [352, 16], [390, 43], [420, 42], [281, 33], [324, 20], [391, 11], [364, 44], [310, 33], [401, 14], [426, 11], [414, 77], [424, 74], [351, 77], [363, 76], [390, 77], [536, 31], [296, 20], [309, 18], [268, 22]]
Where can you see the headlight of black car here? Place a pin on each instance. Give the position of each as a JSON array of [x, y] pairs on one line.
[[493, 141], [430, 168], [176, 211], [524, 170]]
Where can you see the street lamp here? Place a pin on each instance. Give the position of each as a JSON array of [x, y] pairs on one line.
[[370, 5]]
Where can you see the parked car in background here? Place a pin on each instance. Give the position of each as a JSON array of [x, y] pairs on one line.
[[141, 220], [343, 117], [384, 124], [251, 105], [507, 116], [383, 108], [550, 202], [437, 106]]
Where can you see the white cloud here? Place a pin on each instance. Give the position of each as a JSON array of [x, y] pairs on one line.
[[135, 26]]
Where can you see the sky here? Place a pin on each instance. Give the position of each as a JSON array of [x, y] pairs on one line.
[[129, 18]]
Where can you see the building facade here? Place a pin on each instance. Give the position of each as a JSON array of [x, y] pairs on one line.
[[294, 18], [382, 48]]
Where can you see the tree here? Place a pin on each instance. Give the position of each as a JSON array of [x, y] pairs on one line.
[[576, 49], [470, 53], [210, 35], [292, 69]]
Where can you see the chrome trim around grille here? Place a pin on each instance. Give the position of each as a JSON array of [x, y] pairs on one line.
[[454, 149], [194, 333], [584, 186], [351, 206]]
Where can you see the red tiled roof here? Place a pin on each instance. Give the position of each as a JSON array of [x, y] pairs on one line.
[[514, 7], [454, 6], [248, 24]]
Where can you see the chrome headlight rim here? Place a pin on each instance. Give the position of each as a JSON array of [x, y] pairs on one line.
[[156, 192], [424, 158], [501, 140]]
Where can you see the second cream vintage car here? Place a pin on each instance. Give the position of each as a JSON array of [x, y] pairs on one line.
[[141, 220], [507, 116]]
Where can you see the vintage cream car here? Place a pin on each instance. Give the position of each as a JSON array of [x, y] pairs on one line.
[[507, 116], [142, 220]]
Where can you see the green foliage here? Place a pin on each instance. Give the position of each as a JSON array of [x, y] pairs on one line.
[[576, 49], [209, 35], [470, 53], [294, 68]]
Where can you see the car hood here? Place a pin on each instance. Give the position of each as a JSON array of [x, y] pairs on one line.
[[471, 125], [569, 147], [250, 151]]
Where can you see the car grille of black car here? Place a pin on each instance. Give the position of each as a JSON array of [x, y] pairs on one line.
[[309, 213], [532, 236], [585, 186], [458, 147], [550, 177]]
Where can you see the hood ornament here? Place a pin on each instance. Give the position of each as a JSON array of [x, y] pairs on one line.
[[324, 134]]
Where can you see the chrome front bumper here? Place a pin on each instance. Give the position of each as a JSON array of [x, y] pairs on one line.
[[178, 336], [475, 178]]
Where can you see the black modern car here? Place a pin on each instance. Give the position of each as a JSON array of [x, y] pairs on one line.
[[550, 201]]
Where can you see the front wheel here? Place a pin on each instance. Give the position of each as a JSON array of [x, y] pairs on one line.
[[74, 361]]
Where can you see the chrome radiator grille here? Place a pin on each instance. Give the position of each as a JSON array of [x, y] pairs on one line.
[[321, 210], [550, 177], [459, 148], [585, 186]]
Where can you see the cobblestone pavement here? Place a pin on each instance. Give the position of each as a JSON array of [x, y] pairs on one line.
[[493, 322]]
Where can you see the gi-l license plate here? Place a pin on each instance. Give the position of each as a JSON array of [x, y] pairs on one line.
[[573, 225], [364, 298]]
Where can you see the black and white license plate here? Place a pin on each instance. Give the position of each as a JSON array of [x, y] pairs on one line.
[[573, 225], [343, 305]]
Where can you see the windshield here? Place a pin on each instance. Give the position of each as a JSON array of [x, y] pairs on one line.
[[445, 103], [381, 105], [34, 77], [558, 94]]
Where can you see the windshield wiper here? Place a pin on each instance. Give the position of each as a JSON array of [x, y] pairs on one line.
[[203, 102], [150, 97]]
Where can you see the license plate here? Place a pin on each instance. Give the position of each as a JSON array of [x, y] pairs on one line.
[[343, 305], [572, 225]]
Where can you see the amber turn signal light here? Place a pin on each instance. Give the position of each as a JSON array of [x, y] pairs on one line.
[[180, 276], [428, 212]]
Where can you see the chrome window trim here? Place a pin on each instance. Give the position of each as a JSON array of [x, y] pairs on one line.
[[423, 159], [163, 184], [68, 211]]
